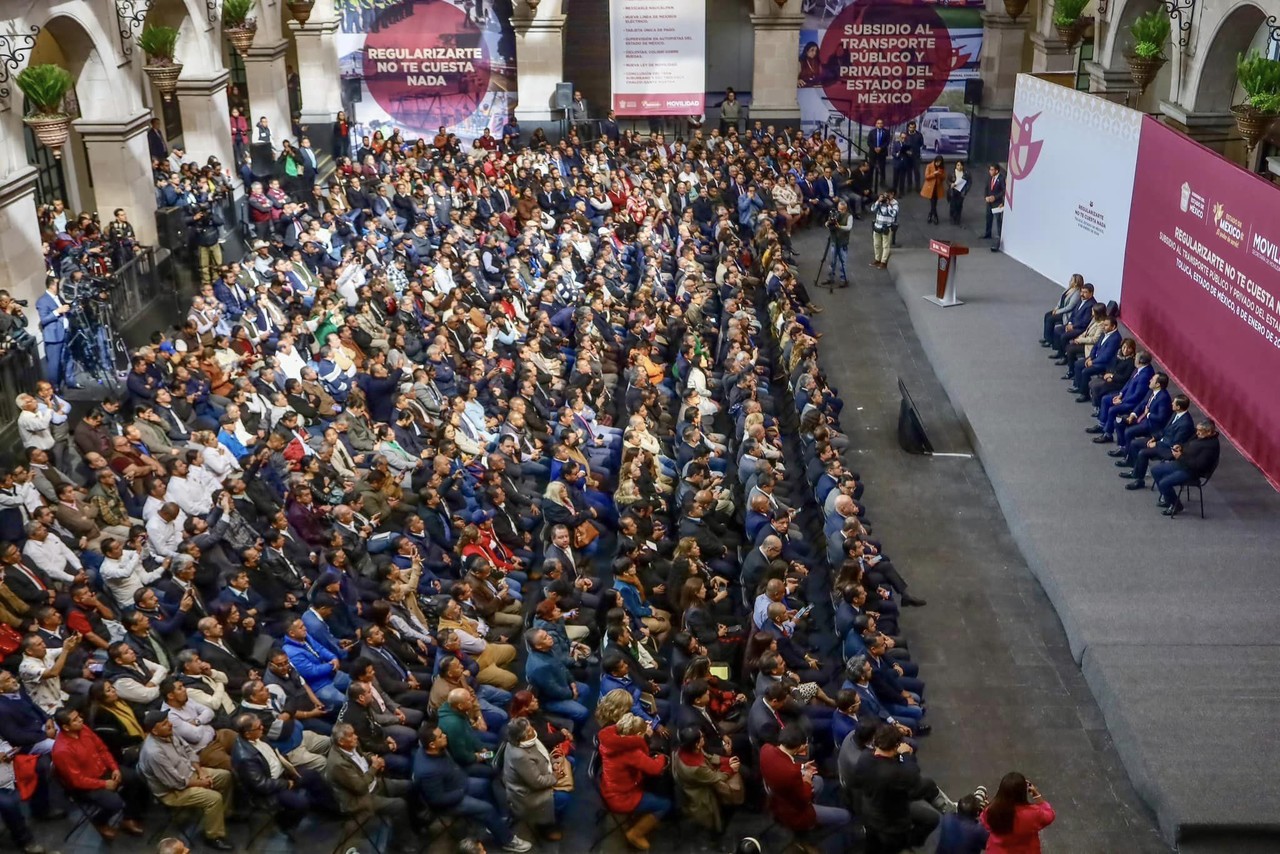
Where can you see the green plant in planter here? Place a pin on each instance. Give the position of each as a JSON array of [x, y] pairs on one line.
[[1066, 13], [1258, 76], [159, 44], [235, 13], [45, 87], [1150, 34]]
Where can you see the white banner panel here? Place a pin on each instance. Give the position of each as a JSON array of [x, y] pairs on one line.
[[1069, 186], [658, 57]]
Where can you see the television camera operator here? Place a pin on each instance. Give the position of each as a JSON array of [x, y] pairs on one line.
[[205, 225], [839, 224]]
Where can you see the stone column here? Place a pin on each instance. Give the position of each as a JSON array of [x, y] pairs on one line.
[[121, 167], [1216, 130], [777, 62], [1001, 62], [268, 89], [21, 262], [1114, 85], [318, 74], [1049, 55], [539, 60], [206, 128]]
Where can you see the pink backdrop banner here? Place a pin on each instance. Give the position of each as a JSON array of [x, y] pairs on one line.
[[1201, 281]]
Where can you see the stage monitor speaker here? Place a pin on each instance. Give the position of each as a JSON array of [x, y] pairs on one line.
[[352, 91], [973, 91], [563, 96], [171, 228], [911, 435], [264, 159]]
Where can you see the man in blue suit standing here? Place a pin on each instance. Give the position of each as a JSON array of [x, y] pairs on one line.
[[1148, 420], [1098, 361], [54, 327], [1159, 447], [878, 139]]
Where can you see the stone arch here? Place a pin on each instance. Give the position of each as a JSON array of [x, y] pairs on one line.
[[1211, 84], [196, 50], [104, 89], [1117, 41]]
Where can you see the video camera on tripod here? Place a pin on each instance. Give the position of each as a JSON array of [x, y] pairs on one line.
[[94, 343]]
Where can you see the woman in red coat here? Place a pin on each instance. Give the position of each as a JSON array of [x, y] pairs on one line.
[[624, 763], [1016, 816]]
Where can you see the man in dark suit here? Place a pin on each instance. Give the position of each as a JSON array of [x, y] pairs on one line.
[[766, 717], [1148, 420], [1103, 355], [213, 650], [994, 198], [1193, 461], [878, 139], [1076, 324], [156, 145], [1139, 453], [1129, 397], [392, 672]]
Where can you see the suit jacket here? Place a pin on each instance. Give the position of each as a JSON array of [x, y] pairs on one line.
[[237, 671], [52, 326], [1158, 410], [1179, 431], [1080, 318], [878, 138], [994, 187], [1135, 390], [350, 784], [1104, 352], [1200, 456]]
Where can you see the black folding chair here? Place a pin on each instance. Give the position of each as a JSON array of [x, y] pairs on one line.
[[617, 822]]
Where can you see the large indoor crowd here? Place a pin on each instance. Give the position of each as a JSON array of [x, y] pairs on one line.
[[490, 480]]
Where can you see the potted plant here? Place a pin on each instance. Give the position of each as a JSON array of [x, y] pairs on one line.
[[1150, 34], [301, 10], [1014, 8], [237, 26], [159, 43], [1259, 77], [1068, 21], [45, 86]]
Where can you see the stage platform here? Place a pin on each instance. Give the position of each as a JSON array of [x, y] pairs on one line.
[[1174, 621]]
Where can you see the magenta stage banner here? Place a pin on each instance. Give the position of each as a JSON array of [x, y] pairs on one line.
[[1201, 280]]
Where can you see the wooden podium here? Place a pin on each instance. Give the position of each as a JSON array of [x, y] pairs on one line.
[[948, 258]]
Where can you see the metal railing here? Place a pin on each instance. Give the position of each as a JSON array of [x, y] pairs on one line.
[[19, 373], [137, 285]]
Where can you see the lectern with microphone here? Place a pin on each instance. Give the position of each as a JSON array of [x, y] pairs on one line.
[[948, 257]]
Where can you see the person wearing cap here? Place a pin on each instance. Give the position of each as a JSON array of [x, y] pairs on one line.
[[178, 780]]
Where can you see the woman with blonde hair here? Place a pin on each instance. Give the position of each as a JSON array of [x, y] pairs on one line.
[[1060, 313], [612, 707]]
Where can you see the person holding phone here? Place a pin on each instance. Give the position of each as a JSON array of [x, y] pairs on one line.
[[1015, 817]]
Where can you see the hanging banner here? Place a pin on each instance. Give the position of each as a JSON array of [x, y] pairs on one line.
[[417, 65], [1202, 282], [658, 57], [863, 60]]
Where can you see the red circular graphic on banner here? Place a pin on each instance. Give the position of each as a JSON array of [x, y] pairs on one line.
[[885, 61], [428, 69]]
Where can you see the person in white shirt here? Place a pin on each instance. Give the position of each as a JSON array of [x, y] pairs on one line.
[[41, 671], [218, 462], [51, 555], [164, 529], [288, 360], [33, 425], [199, 473], [193, 497], [191, 723], [123, 573]]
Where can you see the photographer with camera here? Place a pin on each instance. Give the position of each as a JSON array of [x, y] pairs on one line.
[[839, 224], [123, 241], [206, 234], [13, 324], [885, 210], [54, 328]]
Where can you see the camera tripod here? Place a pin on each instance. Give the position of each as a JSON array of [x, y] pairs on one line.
[[94, 346], [830, 283]]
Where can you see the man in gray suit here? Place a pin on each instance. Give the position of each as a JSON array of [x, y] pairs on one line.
[[360, 785], [578, 115]]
